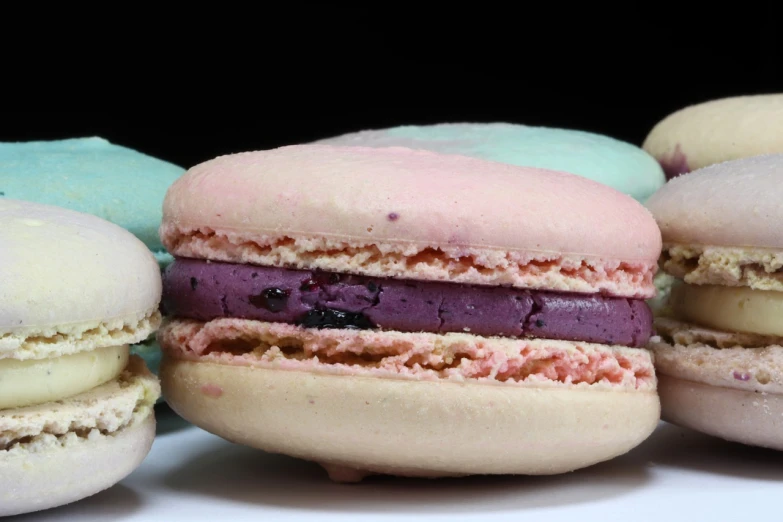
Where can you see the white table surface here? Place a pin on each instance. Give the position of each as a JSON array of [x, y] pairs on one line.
[[675, 475]]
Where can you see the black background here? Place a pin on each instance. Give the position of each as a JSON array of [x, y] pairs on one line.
[[621, 91]]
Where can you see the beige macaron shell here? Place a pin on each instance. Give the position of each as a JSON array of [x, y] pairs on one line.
[[732, 204], [689, 352], [33, 481], [305, 205], [735, 415], [721, 224], [720, 383], [410, 428], [720, 130], [67, 277], [63, 451]]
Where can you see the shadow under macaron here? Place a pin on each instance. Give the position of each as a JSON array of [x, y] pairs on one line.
[[242, 474], [682, 448], [111, 504], [168, 421]]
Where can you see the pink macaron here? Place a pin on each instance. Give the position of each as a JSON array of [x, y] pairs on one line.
[[385, 310]]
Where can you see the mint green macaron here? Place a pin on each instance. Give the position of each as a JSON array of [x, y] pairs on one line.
[[621, 165], [94, 176]]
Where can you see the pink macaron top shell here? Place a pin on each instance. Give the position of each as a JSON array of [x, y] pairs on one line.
[[281, 205]]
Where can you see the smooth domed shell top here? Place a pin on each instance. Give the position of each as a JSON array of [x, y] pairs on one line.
[[398, 195], [717, 131], [732, 204], [60, 267], [616, 163], [93, 176]]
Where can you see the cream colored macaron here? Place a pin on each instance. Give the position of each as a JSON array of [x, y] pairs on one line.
[[719, 356], [717, 131], [76, 411]]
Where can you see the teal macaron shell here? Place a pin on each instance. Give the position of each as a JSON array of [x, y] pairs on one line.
[[94, 176], [618, 164]]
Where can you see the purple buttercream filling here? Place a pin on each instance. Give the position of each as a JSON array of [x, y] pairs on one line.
[[202, 290]]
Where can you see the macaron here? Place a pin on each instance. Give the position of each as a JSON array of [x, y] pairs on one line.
[[716, 131], [94, 176], [606, 160], [403, 312], [719, 349], [76, 410]]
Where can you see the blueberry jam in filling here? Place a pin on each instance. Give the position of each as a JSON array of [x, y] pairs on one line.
[[328, 318]]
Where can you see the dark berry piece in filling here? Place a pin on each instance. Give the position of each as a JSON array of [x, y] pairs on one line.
[[273, 299], [329, 318], [310, 285], [323, 279], [193, 283]]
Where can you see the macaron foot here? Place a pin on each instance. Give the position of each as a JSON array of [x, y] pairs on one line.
[[345, 474], [350, 475]]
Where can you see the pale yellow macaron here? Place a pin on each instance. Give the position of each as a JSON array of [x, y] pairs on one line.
[[712, 132], [76, 411], [718, 130], [719, 357]]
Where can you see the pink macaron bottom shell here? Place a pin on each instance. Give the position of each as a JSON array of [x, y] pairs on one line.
[[452, 357], [553, 271]]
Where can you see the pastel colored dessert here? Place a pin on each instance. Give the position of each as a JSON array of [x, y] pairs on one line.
[[96, 177], [490, 313], [716, 131], [612, 162], [76, 410], [719, 354]]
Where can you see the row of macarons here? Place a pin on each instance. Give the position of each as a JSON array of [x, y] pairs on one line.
[[480, 284]]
